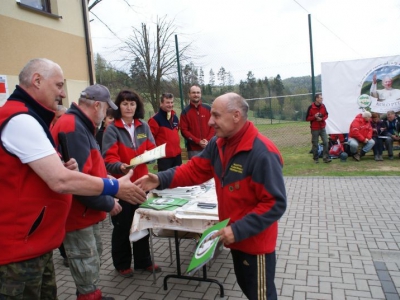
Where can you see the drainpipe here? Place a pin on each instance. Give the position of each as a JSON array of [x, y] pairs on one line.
[[87, 41]]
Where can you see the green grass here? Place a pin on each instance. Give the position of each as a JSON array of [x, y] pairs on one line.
[[302, 164]]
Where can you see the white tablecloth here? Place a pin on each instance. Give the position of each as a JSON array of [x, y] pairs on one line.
[[187, 218]]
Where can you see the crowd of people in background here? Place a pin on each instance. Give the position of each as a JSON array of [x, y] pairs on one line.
[[368, 131]]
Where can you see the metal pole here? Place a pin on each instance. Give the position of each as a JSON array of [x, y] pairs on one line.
[[87, 42], [312, 58], [179, 71], [270, 103]]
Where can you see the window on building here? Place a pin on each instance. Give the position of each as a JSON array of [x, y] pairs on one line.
[[43, 5]]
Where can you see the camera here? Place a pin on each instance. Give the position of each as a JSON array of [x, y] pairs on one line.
[[319, 115]]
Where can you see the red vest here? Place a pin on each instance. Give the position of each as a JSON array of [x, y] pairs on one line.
[[33, 217]]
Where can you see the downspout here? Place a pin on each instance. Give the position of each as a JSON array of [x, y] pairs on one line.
[[87, 41]]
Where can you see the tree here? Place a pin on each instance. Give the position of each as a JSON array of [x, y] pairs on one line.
[[212, 78], [157, 55], [279, 88], [248, 87], [189, 78], [230, 80], [138, 75], [109, 76], [221, 76], [201, 77]]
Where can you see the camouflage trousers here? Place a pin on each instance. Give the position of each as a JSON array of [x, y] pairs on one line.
[[84, 248], [32, 279]]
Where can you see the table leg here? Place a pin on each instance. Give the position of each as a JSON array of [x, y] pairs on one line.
[[179, 273]]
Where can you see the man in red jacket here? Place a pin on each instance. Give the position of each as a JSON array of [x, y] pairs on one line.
[[247, 169], [82, 241], [317, 115], [39, 184], [164, 126], [194, 123], [361, 133]]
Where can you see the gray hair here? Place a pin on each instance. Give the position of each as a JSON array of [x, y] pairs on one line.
[[366, 114], [61, 108], [390, 112], [237, 102], [43, 66], [86, 102]]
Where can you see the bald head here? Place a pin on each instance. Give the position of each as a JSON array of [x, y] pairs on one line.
[[228, 114], [43, 80], [45, 67]]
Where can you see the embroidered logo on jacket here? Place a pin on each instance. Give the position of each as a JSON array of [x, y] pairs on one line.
[[142, 136], [236, 168]]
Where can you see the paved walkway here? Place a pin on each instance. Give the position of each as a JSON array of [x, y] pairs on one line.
[[339, 239]]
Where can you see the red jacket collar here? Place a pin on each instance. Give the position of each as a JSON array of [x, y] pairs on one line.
[[246, 143], [120, 124]]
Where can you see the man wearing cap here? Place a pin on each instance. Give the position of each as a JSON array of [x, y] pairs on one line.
[[36, 190], [82, 241]]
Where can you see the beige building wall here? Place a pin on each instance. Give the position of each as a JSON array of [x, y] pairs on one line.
[[26, 34]]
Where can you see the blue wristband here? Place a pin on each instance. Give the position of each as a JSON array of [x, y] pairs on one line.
[[111, 187]]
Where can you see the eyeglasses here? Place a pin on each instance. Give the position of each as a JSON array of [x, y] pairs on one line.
[[167, 95]]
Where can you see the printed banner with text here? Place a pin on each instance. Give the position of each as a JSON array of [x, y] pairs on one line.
[[351, 87]]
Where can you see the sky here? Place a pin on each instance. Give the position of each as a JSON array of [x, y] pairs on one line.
[[263, 36]]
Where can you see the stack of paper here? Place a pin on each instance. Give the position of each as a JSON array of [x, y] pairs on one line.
[[193, 211], [188, 192], [198, 210], [159, 203]]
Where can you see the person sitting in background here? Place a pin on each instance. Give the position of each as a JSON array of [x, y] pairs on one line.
[[378, 129], [107, 121], [392, 126], [126, 138], [361, 133], [164, 126]]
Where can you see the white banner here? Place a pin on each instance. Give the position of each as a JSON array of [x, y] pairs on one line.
[[348, 89]]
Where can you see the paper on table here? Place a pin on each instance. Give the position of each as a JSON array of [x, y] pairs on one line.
[[181, 192], [195, 209], [156, 153]]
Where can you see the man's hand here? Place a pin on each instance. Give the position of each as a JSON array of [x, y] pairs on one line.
[[129, 191], [226, 235], [203, 143], [374, 78], [116, 209], [72, 165], [148, 182], [124, 168]]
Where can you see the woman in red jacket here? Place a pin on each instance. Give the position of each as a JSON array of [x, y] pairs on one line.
[[126, 138]]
